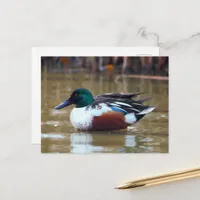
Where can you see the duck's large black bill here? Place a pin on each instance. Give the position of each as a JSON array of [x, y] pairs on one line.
[[63, 104]]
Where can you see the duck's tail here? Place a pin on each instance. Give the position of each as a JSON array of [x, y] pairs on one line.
[[132, 118], [140, 115], [146, 110]]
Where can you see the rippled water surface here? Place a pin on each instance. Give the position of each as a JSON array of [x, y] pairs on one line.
[[150, 135]]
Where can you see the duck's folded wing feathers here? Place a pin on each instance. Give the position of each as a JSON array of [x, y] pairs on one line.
[[120, 105], [119, 96], [124, 103]]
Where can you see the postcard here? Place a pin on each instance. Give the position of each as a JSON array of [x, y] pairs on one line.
[[100, 100]]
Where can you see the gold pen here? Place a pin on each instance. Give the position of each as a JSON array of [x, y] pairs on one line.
[[165, 178]]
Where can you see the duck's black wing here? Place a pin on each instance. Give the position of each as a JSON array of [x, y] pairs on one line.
[[124, 103], [119, 96]]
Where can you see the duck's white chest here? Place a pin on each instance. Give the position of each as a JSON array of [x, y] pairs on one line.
[[81, 118]]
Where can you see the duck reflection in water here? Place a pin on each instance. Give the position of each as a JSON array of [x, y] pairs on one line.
[[99, 142]]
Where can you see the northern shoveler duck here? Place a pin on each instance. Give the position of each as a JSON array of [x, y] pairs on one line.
[[105, 112]]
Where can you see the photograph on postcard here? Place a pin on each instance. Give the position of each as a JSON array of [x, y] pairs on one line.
[[102, 104]]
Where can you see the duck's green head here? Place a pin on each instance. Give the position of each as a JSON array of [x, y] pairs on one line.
[[80, 97]]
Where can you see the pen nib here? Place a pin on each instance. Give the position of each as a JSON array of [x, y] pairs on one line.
[[128, 186]]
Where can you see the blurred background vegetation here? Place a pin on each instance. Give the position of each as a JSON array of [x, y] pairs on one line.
[[156, 66]]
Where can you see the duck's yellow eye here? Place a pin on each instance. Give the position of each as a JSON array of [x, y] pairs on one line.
[[76, 95]]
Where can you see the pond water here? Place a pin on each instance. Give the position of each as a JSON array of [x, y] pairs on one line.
[[149, 135]]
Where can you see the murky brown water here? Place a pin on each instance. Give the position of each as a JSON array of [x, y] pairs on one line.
[[58, 135]]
